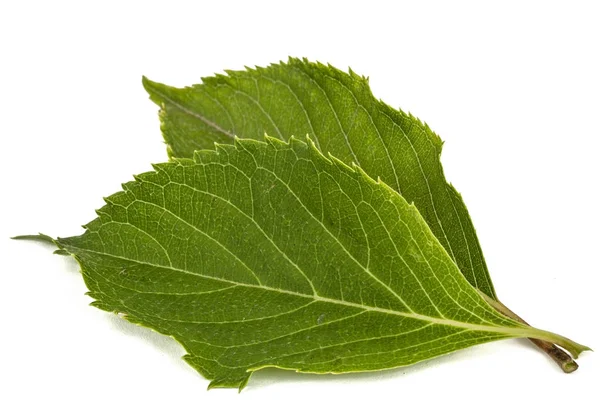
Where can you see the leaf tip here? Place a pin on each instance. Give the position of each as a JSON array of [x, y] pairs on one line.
[[40, 237], [154, 90]]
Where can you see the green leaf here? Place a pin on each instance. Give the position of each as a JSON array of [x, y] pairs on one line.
[[342, 116], [268, 254]]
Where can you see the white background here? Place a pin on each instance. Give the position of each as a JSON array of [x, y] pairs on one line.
[[513, 88]]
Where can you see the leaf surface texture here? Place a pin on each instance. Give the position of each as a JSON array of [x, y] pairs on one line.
[[341, 115], [268, 253]]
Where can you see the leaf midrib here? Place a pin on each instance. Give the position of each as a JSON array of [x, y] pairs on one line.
[[192, 113], [314, 217], [520, 332]]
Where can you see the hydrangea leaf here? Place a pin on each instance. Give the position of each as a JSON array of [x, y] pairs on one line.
[[341, 116], [270, 254]]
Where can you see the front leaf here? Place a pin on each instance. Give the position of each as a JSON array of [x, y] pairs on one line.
[[342, 116], [270, 254]]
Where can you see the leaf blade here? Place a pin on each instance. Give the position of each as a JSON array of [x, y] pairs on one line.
[[342, 116], [153, 255]]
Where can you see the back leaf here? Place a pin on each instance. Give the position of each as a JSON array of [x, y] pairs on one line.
[[341, 115], [270, 254]]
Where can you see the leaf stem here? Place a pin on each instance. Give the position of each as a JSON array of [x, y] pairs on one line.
[[561, 357]]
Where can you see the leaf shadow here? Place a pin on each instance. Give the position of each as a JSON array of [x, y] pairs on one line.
[[68, 264], [163, 344]]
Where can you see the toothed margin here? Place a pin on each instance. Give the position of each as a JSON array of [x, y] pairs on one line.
[[301, 149]]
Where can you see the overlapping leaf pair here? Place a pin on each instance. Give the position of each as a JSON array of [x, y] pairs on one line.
[[342, 250]]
